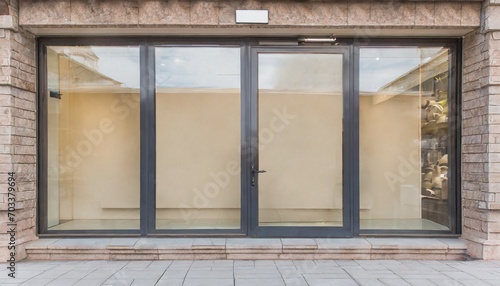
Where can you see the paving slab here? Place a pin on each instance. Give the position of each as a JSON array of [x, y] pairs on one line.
[[90, 282], [494, 282], [34, 282], [196, 274], [260, 281], [62, 282], [394, 282], [369, 282], [170, 282], [121, 282], [251, 272], [474, 282], [331, 282], [144, 282], [208, 282], [420, 282]]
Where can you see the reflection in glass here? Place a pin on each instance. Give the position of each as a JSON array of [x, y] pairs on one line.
[[198, 138], [300, 139], [404, 138], [93, 137]]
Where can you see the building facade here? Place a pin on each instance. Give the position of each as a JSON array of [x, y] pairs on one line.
[[317, 119]]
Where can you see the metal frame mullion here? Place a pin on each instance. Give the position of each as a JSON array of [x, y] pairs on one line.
[[348, 137], [354, 143], [148, 140], [254, 142], [245, 96], [42, 140], [455, 133]]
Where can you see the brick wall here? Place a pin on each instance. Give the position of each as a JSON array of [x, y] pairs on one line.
[[17, 129], [481, 136]]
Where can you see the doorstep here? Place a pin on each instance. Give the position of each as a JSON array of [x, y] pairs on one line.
[[245, 248]]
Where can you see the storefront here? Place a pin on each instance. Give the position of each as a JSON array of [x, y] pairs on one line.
[[330, 120], [264, 137]]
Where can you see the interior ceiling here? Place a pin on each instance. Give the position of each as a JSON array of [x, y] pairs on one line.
[[251, 31]]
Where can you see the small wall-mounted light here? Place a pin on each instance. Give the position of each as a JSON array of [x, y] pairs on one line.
[[319, 40]]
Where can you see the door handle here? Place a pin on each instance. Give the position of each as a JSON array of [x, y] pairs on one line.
[[256, 172]]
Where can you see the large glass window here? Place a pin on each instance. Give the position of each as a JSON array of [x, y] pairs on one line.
[[198, 138], [404, 144], [292, 110], [93, 137]]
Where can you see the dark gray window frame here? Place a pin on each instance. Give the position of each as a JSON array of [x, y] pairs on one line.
[[454, 130], [248, 227]]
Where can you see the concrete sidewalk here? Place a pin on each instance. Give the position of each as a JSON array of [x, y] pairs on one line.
[[254, 273]]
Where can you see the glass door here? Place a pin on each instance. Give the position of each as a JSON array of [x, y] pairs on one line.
[[298, 174]]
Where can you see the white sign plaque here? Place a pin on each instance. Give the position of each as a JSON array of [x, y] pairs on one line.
[[252, 16]]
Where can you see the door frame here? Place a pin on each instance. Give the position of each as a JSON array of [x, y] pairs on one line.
[[349, 146]]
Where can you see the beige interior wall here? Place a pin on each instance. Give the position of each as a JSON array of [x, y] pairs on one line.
[[198, 150], [99, 143], [198, 141], [202, 132], [390, 158], [302, 153]]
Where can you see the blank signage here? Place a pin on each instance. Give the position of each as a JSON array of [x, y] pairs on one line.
[[252, 16]]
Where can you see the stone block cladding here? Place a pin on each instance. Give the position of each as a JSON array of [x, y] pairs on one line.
[[17, 129], [220, 13], [481, 136]]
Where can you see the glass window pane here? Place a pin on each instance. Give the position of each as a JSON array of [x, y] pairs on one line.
[[300, 139], [198, 138], [93, 137], [404, 142]]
